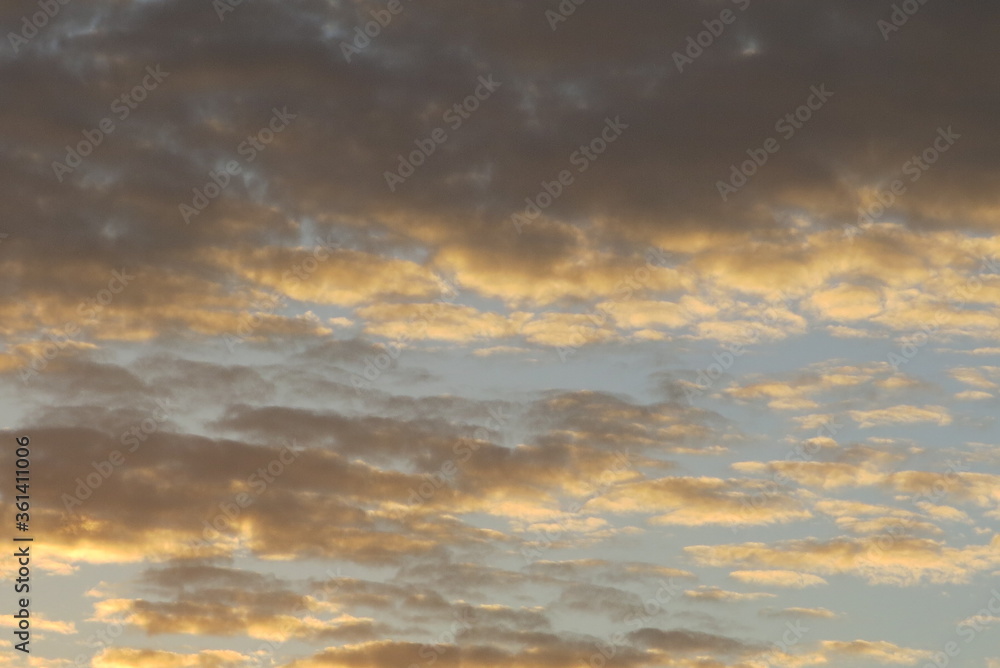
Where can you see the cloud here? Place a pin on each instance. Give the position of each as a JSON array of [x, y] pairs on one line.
[[122, 657], [823, 475], [255, 319], [778, 579], [614, 603], [690, 501], [798, 613], [847, 303], [42, 622], [976, 377], [904, 561], [880, 651], [690, 641], [612, 571], [717, 595], [902, 414]]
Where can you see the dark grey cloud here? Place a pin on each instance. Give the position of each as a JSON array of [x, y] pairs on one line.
[[354, 118]]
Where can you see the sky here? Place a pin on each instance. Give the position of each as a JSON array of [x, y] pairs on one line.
[[511, 334]]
